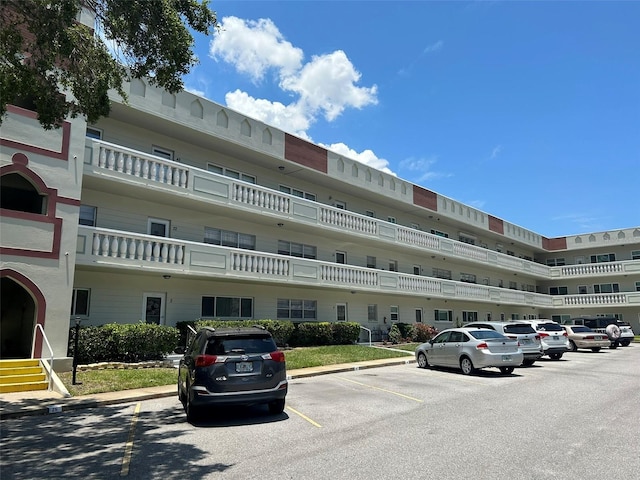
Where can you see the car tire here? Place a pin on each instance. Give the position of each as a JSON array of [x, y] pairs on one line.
[[555, 356], [506, 370], [625, 343], [528, 363], [613, 331], [595, 349], [614, 345], [181, 395], [422, 360], [466, 365], [572, 346], [277, 406]]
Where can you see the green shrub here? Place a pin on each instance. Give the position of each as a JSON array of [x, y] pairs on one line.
[[123, 342], [280, 329], [345, 333], [313, 334], [395, 336]]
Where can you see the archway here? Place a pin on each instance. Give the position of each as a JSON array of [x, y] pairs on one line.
[[18, 315]]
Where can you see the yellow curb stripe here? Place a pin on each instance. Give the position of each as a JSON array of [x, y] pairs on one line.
[[382, 390], [128, 448], [301, 415]]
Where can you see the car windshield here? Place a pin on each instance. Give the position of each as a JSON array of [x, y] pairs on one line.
[[484, 334], [550, 327], [519, 328], [581, 329], [228, 346]]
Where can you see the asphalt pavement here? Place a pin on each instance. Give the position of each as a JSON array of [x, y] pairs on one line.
[[44, 402]]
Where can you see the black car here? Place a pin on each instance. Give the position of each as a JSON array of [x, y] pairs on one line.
[[232, 366]]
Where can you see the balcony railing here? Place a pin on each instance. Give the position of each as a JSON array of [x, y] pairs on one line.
[[106, 158]]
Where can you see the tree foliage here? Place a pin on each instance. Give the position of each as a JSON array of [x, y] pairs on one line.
[[45, 52]]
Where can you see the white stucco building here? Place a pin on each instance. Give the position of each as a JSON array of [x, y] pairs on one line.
[[176, 208]]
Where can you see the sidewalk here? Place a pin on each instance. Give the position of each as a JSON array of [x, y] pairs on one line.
[[43, 402]]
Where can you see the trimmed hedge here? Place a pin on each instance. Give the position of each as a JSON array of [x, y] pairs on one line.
[[281, 330], [123, 342]]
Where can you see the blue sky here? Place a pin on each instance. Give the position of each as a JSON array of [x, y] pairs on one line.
[[529, 111]]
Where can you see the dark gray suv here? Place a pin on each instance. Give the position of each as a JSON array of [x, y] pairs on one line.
[[232, 366]]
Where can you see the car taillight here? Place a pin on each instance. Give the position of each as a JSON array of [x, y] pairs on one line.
[[482, 346], [543, 335], [589, 337], [564, 334], [276, 356], [205, 360]]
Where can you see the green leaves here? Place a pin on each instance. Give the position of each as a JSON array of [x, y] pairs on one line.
[[61, 68]]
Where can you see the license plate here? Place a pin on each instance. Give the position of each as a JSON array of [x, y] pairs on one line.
[[526, 341], [506, 358], [244, 367]]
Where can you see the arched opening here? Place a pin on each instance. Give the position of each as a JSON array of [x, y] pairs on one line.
[[19, 194], [17, 319]]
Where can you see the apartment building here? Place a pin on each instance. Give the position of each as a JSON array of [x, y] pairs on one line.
[[176, 208]]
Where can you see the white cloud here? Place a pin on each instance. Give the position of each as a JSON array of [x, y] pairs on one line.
[[496, 151], [254, 47], [434, 47], [327, 85], [419, 170], [366, 156], [195, 91]]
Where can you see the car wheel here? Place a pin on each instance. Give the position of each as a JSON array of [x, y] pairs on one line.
[[528, 363], [572, 346], [555, 356], [595, 349], [181, 395], [277, 406], [613, 345], [626, 343], [422, 360], [506, 370], [466, 365]]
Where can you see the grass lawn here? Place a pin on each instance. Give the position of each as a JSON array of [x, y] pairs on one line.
[[111, 380]]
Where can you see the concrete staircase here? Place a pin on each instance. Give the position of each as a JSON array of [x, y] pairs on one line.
[[22, 376]]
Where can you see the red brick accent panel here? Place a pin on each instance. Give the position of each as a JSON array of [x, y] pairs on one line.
[[305, 153], [559, 243], [496, 225], [425, 198]]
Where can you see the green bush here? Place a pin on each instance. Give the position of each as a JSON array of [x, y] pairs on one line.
[[345, 333], [123, 342], [395, 336], [280, 329], [313, 334]]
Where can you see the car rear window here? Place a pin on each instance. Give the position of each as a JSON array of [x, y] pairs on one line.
[[483, 334], [239, 345], [519, 328], [550, 327], [581, 329]]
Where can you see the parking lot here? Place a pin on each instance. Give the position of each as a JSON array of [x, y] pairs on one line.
[[573, 418]]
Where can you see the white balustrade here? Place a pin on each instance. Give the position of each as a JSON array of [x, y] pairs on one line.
[[132, 247], [347, 221], [349, 275], [261, 198], [260, 264]]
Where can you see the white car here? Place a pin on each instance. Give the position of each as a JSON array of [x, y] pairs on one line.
[[626, 333], [553, 337]]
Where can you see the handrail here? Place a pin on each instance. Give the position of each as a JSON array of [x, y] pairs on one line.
[[33, 348], [368, 330]]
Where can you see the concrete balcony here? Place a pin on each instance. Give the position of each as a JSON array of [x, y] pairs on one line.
[[119, 250]]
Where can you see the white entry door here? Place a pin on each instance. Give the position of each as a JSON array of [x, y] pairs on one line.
[[153, 307]]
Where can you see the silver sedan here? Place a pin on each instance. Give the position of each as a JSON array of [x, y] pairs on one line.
[[470, 349]]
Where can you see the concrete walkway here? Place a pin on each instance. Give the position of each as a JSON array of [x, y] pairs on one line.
[[43, 402]]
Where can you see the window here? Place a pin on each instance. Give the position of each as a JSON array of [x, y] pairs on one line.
[[417, 269], [637, 286], [393, 265], [340, 205], [162, 152], [87, 215], [415, 226], [467, 277], [469, 316], [158, 227], [606, 288], [341, 257], [391, 219], [465, 238], [19, 194], [513, 285], [555, 262], [80, 301], [635, 255], [227, 307], [225, 238], [370, 213], [582, 289], [393, 313], [296, 249], [297, 309], [558, 290], [443, 315], [439, 233], [372, 313], [94, 133], [607, 257], [297, 193], [441, 273], [231, 173], [371, 262]]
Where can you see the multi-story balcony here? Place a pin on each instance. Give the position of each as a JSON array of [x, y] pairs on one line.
[[120, 164]]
